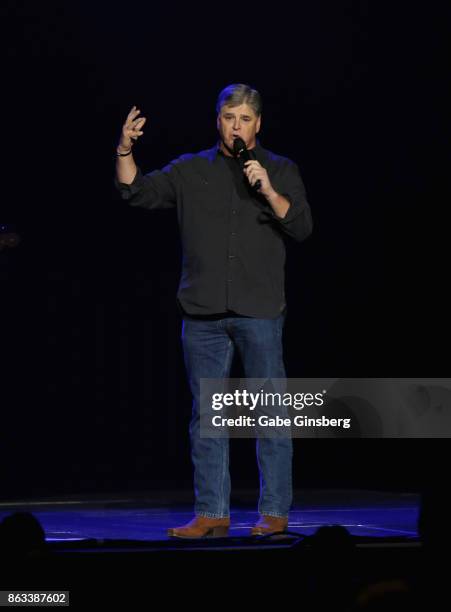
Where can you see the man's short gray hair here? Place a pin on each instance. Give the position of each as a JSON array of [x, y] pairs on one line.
[[239, 93]]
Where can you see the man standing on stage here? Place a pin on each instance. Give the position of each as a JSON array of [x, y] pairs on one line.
[[233, 223]]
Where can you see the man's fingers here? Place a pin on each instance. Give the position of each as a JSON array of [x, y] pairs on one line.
[[254, 175], [133, 133], [133, 124], [130, 125], [132, 112]]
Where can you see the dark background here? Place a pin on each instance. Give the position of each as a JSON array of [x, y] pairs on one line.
[[94, 394]]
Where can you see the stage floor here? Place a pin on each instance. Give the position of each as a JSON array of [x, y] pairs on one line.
[[146, 516]]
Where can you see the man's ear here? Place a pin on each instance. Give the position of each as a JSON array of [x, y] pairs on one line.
[[259, 120]]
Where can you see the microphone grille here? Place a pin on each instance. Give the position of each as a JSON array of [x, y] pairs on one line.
[[238, 145]]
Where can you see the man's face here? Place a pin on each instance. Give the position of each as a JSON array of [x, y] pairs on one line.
[[238, 121]]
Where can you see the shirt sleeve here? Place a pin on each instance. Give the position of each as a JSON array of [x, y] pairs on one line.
[[157, 189], [298, 222]]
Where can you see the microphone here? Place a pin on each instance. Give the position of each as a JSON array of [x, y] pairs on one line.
[[243, 155]]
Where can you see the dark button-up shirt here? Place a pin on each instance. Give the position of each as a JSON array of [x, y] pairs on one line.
[[232, 241]]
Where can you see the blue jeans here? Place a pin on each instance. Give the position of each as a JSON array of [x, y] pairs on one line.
[[208, 347]]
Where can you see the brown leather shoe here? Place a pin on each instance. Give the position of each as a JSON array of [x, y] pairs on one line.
[[269, 524], [202, 527]]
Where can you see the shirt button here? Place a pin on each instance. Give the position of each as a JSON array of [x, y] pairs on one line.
[[233, 233], [231, 256], [233, 211]]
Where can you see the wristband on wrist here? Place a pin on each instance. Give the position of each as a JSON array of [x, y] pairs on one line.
[[123, 154]]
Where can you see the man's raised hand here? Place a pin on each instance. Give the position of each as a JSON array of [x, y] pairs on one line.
[[131, 130]]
